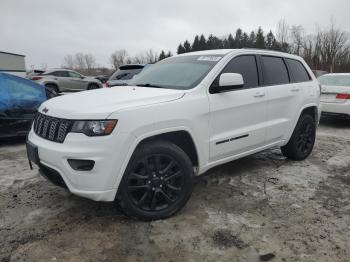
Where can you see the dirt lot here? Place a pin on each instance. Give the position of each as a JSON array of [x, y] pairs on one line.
[[298, 211]]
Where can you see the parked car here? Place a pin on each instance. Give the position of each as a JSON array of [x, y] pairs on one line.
[[124, 74], [19, 101], [335, 98], [102, 78], [144, 144], [63, 80]]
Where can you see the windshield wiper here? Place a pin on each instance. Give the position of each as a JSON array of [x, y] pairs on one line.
[[151, 85]]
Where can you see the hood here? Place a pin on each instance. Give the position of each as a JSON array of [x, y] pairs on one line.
[[99, 103]]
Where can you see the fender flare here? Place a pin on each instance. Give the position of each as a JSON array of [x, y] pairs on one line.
[[145, 136]]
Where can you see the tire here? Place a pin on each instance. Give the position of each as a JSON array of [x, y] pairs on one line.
[[303, 139], [151, 191], [51, 90], [93, 86]]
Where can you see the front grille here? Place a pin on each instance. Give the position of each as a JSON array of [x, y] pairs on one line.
[[52, 128]]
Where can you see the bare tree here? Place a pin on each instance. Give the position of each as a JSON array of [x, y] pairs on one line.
[[118, 58], [282, 33], [79, 61], [68, 62], [90, 62], [151, 56], [297, 38]]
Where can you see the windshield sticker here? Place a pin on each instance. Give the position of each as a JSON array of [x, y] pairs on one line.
[[209, 58]]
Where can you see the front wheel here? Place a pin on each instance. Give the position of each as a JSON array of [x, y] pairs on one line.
[[302, 141], [93, 86], [157, 182]]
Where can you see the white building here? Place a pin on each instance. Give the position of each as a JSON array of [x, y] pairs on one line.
[[12, 63]]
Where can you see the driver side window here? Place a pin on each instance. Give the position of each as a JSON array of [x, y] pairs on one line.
[[246, 66]]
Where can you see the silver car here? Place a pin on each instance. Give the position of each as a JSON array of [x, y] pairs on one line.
[[63, 80]]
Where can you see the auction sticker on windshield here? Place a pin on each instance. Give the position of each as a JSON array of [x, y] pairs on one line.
[[209, 58]]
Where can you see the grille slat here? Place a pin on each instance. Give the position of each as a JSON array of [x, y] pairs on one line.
[[51, 128]]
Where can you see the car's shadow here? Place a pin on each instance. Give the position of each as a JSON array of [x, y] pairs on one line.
[[12, 141], [335, 122]]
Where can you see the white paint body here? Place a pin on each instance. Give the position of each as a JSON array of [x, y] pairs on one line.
[[329, 102], [269, 114]]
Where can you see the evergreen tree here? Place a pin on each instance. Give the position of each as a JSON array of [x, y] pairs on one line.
[[260, 39], [181, 49], [196, 45], [252, 39], [270, 41], [202, 43], [169, 54], [245, 40], [231, 41], [162, 55], [238, 38], [187, 46]]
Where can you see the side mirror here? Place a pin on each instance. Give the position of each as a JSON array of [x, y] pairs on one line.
[[228, 82]]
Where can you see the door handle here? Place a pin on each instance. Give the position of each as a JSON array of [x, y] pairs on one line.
[[295, 89], [259, 94]]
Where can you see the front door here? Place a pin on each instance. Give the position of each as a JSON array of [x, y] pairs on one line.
[[238, 117]]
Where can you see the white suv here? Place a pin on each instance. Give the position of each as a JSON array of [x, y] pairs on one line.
[[143, 144]]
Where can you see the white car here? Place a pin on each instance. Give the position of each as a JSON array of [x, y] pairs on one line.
[[335, 97], [144, 144]]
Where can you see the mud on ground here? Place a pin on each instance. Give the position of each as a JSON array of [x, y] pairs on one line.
[[261, 204]]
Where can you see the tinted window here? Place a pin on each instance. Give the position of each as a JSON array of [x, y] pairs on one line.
[[298, 71], [246, 66], [274, 70], [61, 73], [74, 74]]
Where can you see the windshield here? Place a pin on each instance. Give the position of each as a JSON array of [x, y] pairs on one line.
[[335, 80], [182, 72]]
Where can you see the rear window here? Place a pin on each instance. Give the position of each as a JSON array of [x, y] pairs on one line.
[[298, 71], [335, 80], [274, 70]]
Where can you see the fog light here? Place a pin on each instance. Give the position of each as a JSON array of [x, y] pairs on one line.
[[81, 165]]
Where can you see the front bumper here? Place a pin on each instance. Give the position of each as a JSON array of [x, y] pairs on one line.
[[336, 108], [100, 183]]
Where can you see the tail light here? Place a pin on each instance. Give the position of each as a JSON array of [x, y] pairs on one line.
[[35, 78], [343, 96]]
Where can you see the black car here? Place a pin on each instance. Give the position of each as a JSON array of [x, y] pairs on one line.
[[124, 74], [19, 101]]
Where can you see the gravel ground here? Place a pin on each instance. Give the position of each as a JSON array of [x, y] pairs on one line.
[[260, 205]]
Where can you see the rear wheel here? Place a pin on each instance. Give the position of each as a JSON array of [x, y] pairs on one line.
[[51, 90], [158, 181], [93, 86], [302, 141]]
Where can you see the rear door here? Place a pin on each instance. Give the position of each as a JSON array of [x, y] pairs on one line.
[[76, 81], [285, 96], [62, 78], [238, 117]]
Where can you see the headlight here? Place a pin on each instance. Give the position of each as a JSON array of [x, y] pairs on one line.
[[94, 127]]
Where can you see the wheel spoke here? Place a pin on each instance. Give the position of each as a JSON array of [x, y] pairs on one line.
[[157, 163], [143, 198], [173, 187], [154, 200], [146, 165], [137, 176], [137, 188], [167, 198], [177, 174], [168, 167]]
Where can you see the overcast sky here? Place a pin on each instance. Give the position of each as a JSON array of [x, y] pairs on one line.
[[46, 30]]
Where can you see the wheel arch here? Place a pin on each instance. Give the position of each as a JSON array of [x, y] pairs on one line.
[[52, 84], [311, 109]]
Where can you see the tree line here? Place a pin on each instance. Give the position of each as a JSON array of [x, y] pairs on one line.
[[326, 49]]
